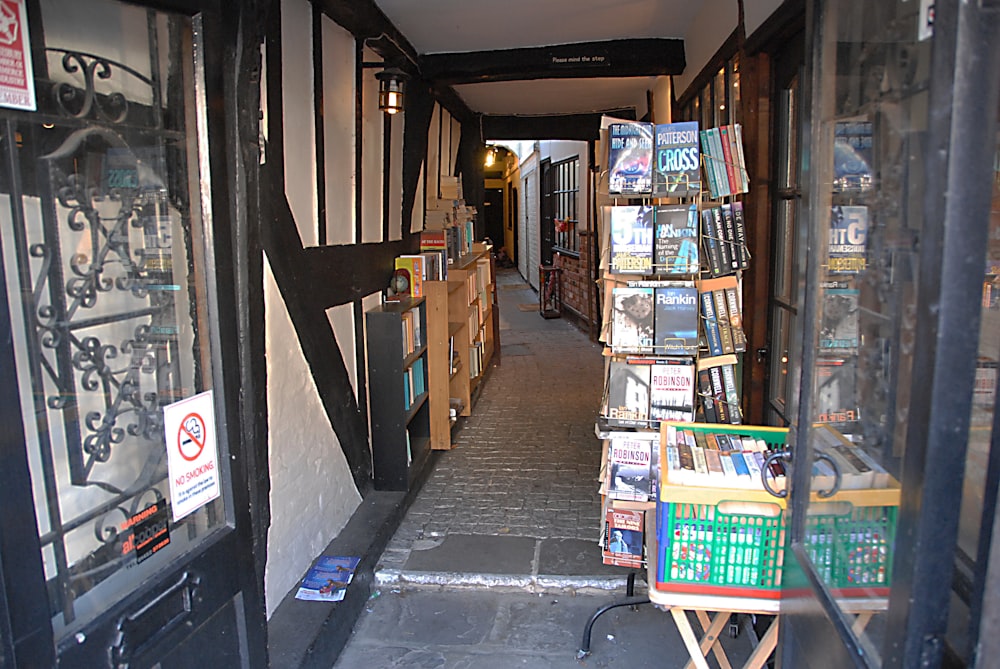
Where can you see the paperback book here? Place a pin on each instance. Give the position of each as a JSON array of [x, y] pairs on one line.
[[836, 392], [839, 324], [675, 322], [630, 158], [629, 470], [632, 240], [671, 389], [677, 170], [632, 330], [623, 534], [852, 155], [675, 249], [627, 394], [848, 240]]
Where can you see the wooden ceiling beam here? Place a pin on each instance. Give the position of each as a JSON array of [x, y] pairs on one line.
[[612, 58]]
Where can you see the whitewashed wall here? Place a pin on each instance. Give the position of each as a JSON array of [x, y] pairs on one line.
[[371, 155], [339, 135], [297, 110], [716, 20], [312, 492]]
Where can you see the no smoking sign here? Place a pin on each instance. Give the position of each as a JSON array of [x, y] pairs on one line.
[[192, 455]]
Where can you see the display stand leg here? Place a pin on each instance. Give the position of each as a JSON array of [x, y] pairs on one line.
[[588, 628], [710, 639], [861, 622], [687, 634], [758, 658]]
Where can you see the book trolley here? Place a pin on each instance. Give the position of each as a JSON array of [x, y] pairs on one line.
[[714, 541]]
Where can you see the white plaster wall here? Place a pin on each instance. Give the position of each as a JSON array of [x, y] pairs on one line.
[[434, 156], [417, 222], [339, 132], [312, 492], [368, 303], [755, 12], [371, 155], [297, 110], [342, 321], [529, 248], [661, 100], [715, 22], [396, 177]]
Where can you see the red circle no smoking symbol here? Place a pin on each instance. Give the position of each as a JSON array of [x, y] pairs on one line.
[[191, 437]]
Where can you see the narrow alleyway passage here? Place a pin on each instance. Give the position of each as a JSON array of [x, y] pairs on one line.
[[496, 563]]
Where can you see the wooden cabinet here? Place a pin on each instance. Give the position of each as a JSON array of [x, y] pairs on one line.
[[398, 390]]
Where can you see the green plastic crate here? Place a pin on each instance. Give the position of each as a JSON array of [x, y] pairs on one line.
[[717, 546], [853, 549]]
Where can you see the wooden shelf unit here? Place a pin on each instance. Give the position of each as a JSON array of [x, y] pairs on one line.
[[400, 433], [450, 307]]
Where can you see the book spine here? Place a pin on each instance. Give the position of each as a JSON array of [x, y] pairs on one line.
[[710, 243], [719, 393], [686, 458], [706, 159], [740, 464], [711, 324], [719, 162], [724, 244], [727, 154], [713, 460], [732, 246], [722, 318], [735, 320], [728, 468], [739, 226], [741, 162], [754, 466], [706, 396], [732, 397]]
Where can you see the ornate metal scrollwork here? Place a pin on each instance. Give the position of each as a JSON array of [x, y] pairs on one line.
[[84, 102]]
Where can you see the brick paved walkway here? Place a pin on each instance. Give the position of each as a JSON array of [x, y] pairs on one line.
[[525, 464]]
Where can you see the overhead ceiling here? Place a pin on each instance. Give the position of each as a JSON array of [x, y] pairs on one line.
[[451, 33]]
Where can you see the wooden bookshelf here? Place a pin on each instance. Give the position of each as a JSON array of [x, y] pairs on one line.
[[461, 315]]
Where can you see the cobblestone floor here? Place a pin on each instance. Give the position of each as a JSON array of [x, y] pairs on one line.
[[525, 463]]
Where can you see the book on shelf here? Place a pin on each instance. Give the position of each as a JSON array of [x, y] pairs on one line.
[[724, 160], [671, 389], [847, 249], [858, 469], [839, 323], [630, 158], [631, 239], [629, 465], [408, 278], [710, 323], [675, 319], [626, 401], [836, 392], [634, 322], [852, 155], [724, 396], [675, 245], [677, 166], [726, 309], [740, 230], [718, 247], [327, 580], [623, 537], [715, 459]]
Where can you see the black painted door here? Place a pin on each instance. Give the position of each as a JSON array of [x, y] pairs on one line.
[[121, 544]]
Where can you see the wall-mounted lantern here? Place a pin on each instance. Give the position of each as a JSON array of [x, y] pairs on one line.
[[391, 84]]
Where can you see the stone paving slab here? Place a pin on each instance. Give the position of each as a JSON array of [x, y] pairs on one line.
[[481, 629], [479, 554]]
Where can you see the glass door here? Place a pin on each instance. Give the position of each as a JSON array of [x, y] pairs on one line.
[[113, 400], [899, 175]]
